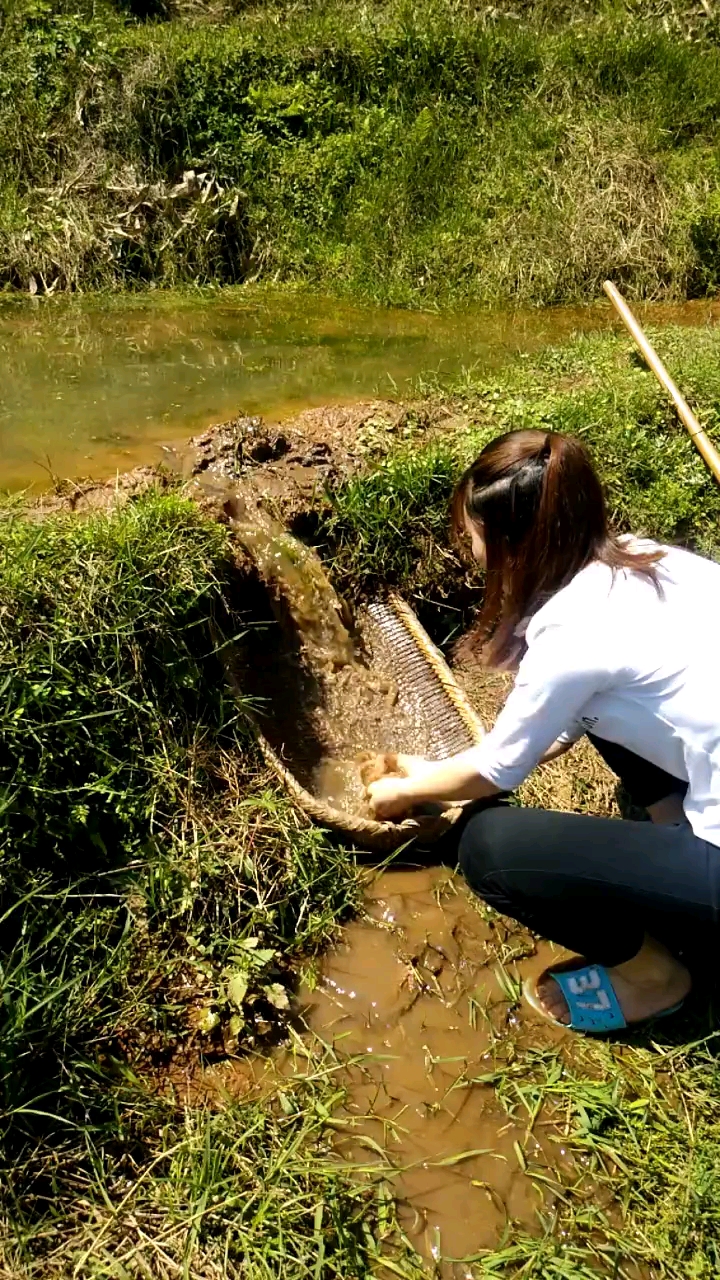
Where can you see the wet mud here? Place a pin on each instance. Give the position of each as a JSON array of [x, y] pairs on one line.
[[416, 1000]]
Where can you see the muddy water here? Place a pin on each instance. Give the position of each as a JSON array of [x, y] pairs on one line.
[[322, 703], [89, 387], [415, 998], [328, 689], [295, 570]]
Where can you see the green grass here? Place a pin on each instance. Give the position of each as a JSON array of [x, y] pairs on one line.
[[158, 898], [639, 1124], [415, 153], [244, 1189]]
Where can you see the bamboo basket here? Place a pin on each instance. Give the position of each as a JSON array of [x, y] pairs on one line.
[[425, 680]]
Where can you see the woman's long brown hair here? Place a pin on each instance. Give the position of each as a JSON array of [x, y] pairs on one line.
[[536, 500]]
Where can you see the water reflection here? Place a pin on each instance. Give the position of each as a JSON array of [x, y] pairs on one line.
[[89, 386]]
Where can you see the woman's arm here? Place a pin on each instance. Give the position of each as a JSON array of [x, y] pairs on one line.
[[558, 748], [428, 783], [562, 669]]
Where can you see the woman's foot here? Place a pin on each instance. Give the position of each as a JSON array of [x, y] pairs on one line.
[[645, 986]]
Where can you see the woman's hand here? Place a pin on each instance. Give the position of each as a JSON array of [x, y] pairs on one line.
[[388, 798], [415, 766], [383, 777], [412, 781]]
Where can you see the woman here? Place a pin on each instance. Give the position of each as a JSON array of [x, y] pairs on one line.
[[616, 639]]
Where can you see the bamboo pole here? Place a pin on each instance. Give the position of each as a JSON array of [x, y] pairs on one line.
[[703, 444]]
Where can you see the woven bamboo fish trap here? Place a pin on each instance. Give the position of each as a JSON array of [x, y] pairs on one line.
[[394, 645], [424, 681]]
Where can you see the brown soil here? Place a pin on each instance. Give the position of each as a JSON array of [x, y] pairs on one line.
[[318, 718], [284, 464], [86, 496]]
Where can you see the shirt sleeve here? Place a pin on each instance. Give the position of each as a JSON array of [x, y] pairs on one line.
[[557, 677], [572, 734]]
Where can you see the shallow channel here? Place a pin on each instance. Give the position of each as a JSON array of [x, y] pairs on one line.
[[416, 995], [91, 386]]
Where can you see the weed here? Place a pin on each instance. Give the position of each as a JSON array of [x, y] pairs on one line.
[[641, 1123]]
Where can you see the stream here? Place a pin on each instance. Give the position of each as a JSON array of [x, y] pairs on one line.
[[92, 386]]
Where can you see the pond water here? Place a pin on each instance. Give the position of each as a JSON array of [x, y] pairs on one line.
[[93, 386]]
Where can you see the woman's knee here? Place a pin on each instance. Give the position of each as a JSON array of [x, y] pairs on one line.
[[485, 844]]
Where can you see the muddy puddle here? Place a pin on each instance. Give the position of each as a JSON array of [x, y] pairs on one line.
[[415, 997]]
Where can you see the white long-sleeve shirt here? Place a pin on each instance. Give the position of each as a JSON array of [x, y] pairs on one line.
[[611, 655]]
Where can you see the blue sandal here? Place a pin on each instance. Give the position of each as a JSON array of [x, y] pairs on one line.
[[591, 1000]]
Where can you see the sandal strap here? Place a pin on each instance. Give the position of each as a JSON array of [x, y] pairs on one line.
[[590, 998]]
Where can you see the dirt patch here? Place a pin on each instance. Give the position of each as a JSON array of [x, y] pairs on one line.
[[288, 465], [284, 464], [86, 496]]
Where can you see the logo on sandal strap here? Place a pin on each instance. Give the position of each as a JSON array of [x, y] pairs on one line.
[[583, 983]]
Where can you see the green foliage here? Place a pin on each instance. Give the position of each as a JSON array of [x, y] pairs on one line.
[[242, 1188], [404, 152], [387, 525], [101, 624], [643, 1123], [141, 866], [99, 620]]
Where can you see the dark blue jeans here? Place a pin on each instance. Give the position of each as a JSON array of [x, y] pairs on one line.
[[596, 885]]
